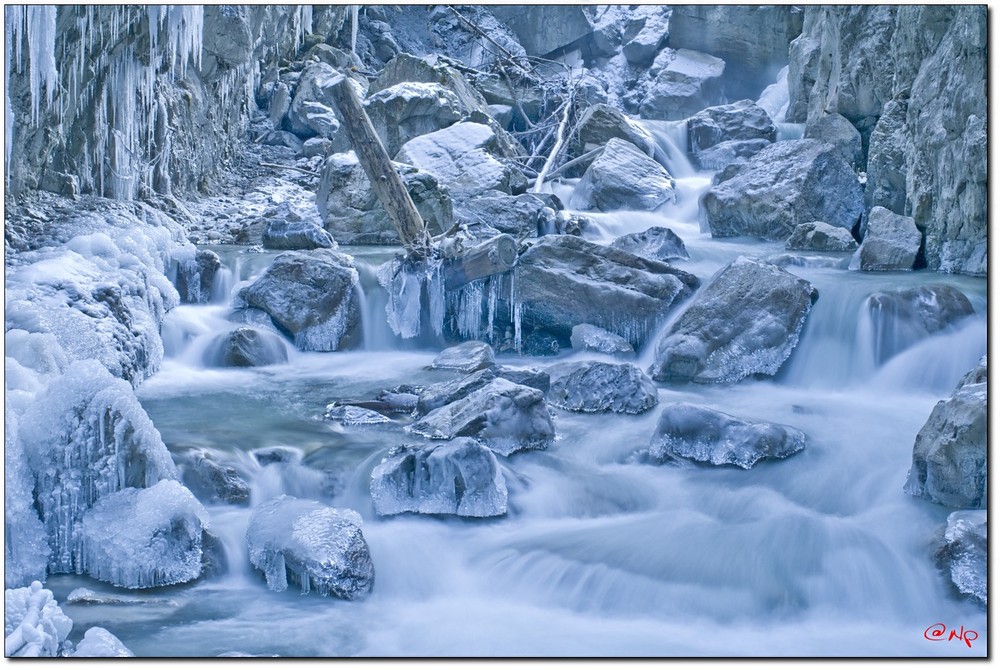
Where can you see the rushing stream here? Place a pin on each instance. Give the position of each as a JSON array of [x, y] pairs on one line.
[[821, 554]]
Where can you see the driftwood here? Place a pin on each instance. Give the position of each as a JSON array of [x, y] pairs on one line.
[[494, 256]]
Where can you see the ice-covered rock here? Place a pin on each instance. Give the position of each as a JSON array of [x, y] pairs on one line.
[[290, 233], [902, 317], [745, 322], [213, 482], [517, 215], [354, 416], [622, 177], [411, 109], [891, 242], [692, 433], [506, 417], [34, 624], [785, 184], [962, 553], [311, 111], [839, 132], [141, 538], [591, 386], [563, 281], [587, 337], [950, 452], [465, 357], [691, 82], [407, 69], [313, 296], [245, 348], [26, 549], [820, 236], [460, 477], [656, 243], [536, 379], [97, 642], [304, 542], [445, 393], [196, 276]]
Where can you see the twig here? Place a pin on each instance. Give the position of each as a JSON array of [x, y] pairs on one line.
[[289, 167]]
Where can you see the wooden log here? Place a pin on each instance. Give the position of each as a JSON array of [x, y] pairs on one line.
[[375, 161], [494, 256]]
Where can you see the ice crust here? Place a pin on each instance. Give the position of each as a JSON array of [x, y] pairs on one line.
[[34, 625]]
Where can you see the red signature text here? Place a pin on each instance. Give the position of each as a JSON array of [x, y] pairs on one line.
[[941, 633]]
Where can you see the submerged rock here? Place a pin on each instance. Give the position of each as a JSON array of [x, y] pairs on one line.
[[950, 452], [246, 348], [591, 386], [656, 243], [819, 236], [507, 417], [902, 317], [212, 482], [622, 177], [307, 543], [460, 477], [891, 242], [313, 296], [465, 357], [702, 435], [745, 322], [587, 337], [962, 553]]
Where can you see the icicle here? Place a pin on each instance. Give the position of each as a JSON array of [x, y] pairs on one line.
[[354, 29]]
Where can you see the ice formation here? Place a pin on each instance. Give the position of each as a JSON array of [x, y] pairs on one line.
[[98, 642], [34, 625], [406, 285], [25, 548]]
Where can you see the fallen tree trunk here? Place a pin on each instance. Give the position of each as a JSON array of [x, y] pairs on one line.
[[492, 257]]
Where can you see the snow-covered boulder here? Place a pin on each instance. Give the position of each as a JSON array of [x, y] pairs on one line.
[[745, 322], [407, 69], [506, 417], [950, 452], [591, 386], [691, 82], [656, 243], [312, 113], [820, 236], [195, 276], [305, 542], [98, 642], [587, 337], [313, 296], [460, 477], [785, 184], [891, 242], [411, 109], [696, 434], [903, 317], [465, 357], [962, 553], [141, 538], [622, 177], [34, 624], [292, 232], [244, 348]]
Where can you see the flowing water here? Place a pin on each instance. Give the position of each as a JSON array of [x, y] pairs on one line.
[[820, 554]]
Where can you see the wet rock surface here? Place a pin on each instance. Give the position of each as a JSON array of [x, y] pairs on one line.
[[590, 386]]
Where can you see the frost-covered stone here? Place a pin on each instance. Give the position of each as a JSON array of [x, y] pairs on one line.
[[729, 153], [460, 477], [949, 454], [97, 642], [286, 234], [645, 34], [465, 357], [311, 112], [354, 416], [702, 435], [591, 386], [141, 538], [691, 82], [34, 624], [195, 276], [563, 281], [656, 243], [622, 177], [902, 317], [891, 242], [517, 215], [411, 109], [745, 322], [587, 337], [599, 124], [785, 184], [717, 136], [506, 417], [445, 393], [820, 236], [212, 482], [839, 132], [304, 542], [313, 296], [246, 348], [407, 69], [962, 553]]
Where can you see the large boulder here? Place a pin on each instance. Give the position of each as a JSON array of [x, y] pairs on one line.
[[563, 281], [949, 454], [245, 348], [460, 477], [839, 132], [902, 317], [313, 296], [311, 112], [691, 82], [287, 230], [745, 322], [718, 135], [962, 554], [587, 337], [506, 417], [465, 357], [601, 123], [352, 213], [591, 386], [783, 185], [622, 177], [305, 542], [656, 243], [645, 33], [467, 157], [405, 68], [544, 29], [410, 109], [820, 236], [696, 434], [522, 215], [891, 242]]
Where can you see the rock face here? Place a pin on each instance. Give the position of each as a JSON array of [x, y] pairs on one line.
[[622, 177], [739, 129], [313, 296], [787, 183], [565, 281], [586, 337], [507, 417], [691, 82], [706, 436], [466, 357], [819, 236], [912, 80], [590, 386], [317, 547], [246, 348], [962, 553], [949, 455], [891, 242], [410, 109], [461, 477], [903, 317], [745, 322], [656, 243]]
